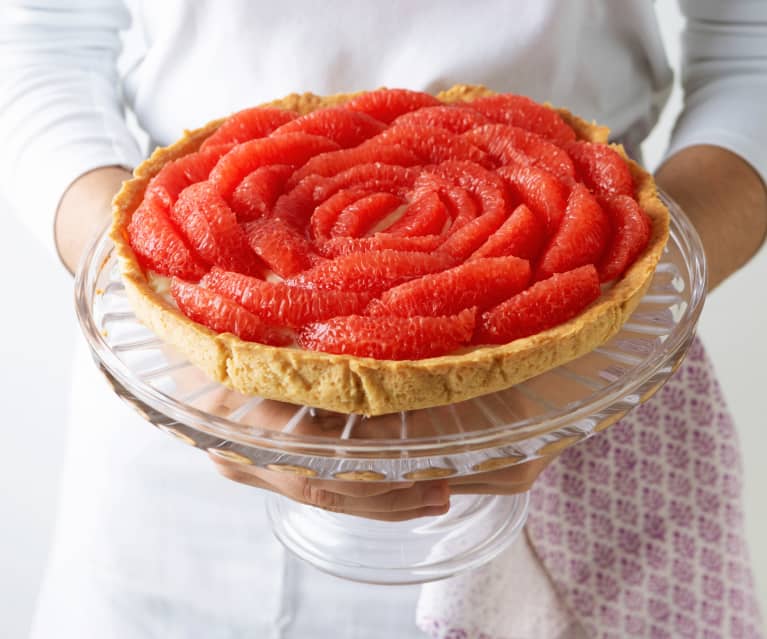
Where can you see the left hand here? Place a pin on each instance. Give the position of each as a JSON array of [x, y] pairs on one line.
[[386, 501]]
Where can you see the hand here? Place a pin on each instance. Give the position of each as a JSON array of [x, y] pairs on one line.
[[84, 210], [385, 501]]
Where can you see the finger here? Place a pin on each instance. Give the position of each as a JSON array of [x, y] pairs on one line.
[[490, 489], [349, 488], [232, 473], [422, 494], [405, 515], [360, 488]]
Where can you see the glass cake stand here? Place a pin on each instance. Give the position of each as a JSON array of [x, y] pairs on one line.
[[538, 417]]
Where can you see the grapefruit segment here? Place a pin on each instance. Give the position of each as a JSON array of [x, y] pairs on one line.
[[291, 148], [257, 193], [521, 111], [159, 246], [539, 189], [394, 338], [284, 250], [450, 118], [374, 271], [506, 144], [223, 315], [387, 104], [490, 191], [297, 205], [602, 169], [326, 214], [632, 232], [481, 283], [581, 238], [545, 304], [346, 128], [427, 215], [463, 242], [368, 177], [248, 124], [360, 216], [211, 228], [175, 176], [339, 246], [335, 162], [462, 207], [280, 304], [432, 144], [523, 234]]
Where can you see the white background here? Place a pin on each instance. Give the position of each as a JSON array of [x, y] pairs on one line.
[[38, 332]]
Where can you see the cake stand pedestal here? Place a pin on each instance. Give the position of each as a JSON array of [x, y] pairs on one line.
[[539, 417]]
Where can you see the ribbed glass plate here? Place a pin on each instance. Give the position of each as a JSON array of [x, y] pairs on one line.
[[544, 414]]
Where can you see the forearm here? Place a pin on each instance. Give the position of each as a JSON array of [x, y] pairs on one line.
[[84, 210], [726, 201]]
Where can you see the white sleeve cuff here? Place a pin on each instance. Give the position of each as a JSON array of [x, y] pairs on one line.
[[730, 114]]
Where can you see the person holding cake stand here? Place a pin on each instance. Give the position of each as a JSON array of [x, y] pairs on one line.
[[150, 541]]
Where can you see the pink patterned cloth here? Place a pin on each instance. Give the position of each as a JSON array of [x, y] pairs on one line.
[[640, 528]]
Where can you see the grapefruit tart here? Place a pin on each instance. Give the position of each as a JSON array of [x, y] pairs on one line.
[[388, 250]]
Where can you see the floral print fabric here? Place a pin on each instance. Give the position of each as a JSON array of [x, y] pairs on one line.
[[640, 528]]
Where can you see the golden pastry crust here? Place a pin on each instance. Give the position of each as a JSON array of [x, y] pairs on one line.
[[349, 384]]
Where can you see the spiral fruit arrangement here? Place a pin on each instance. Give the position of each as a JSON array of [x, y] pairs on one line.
[[391, 225]]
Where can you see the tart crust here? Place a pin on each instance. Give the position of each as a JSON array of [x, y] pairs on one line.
[[349, 384]]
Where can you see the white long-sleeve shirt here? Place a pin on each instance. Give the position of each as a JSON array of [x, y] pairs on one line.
[[62, 98]]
